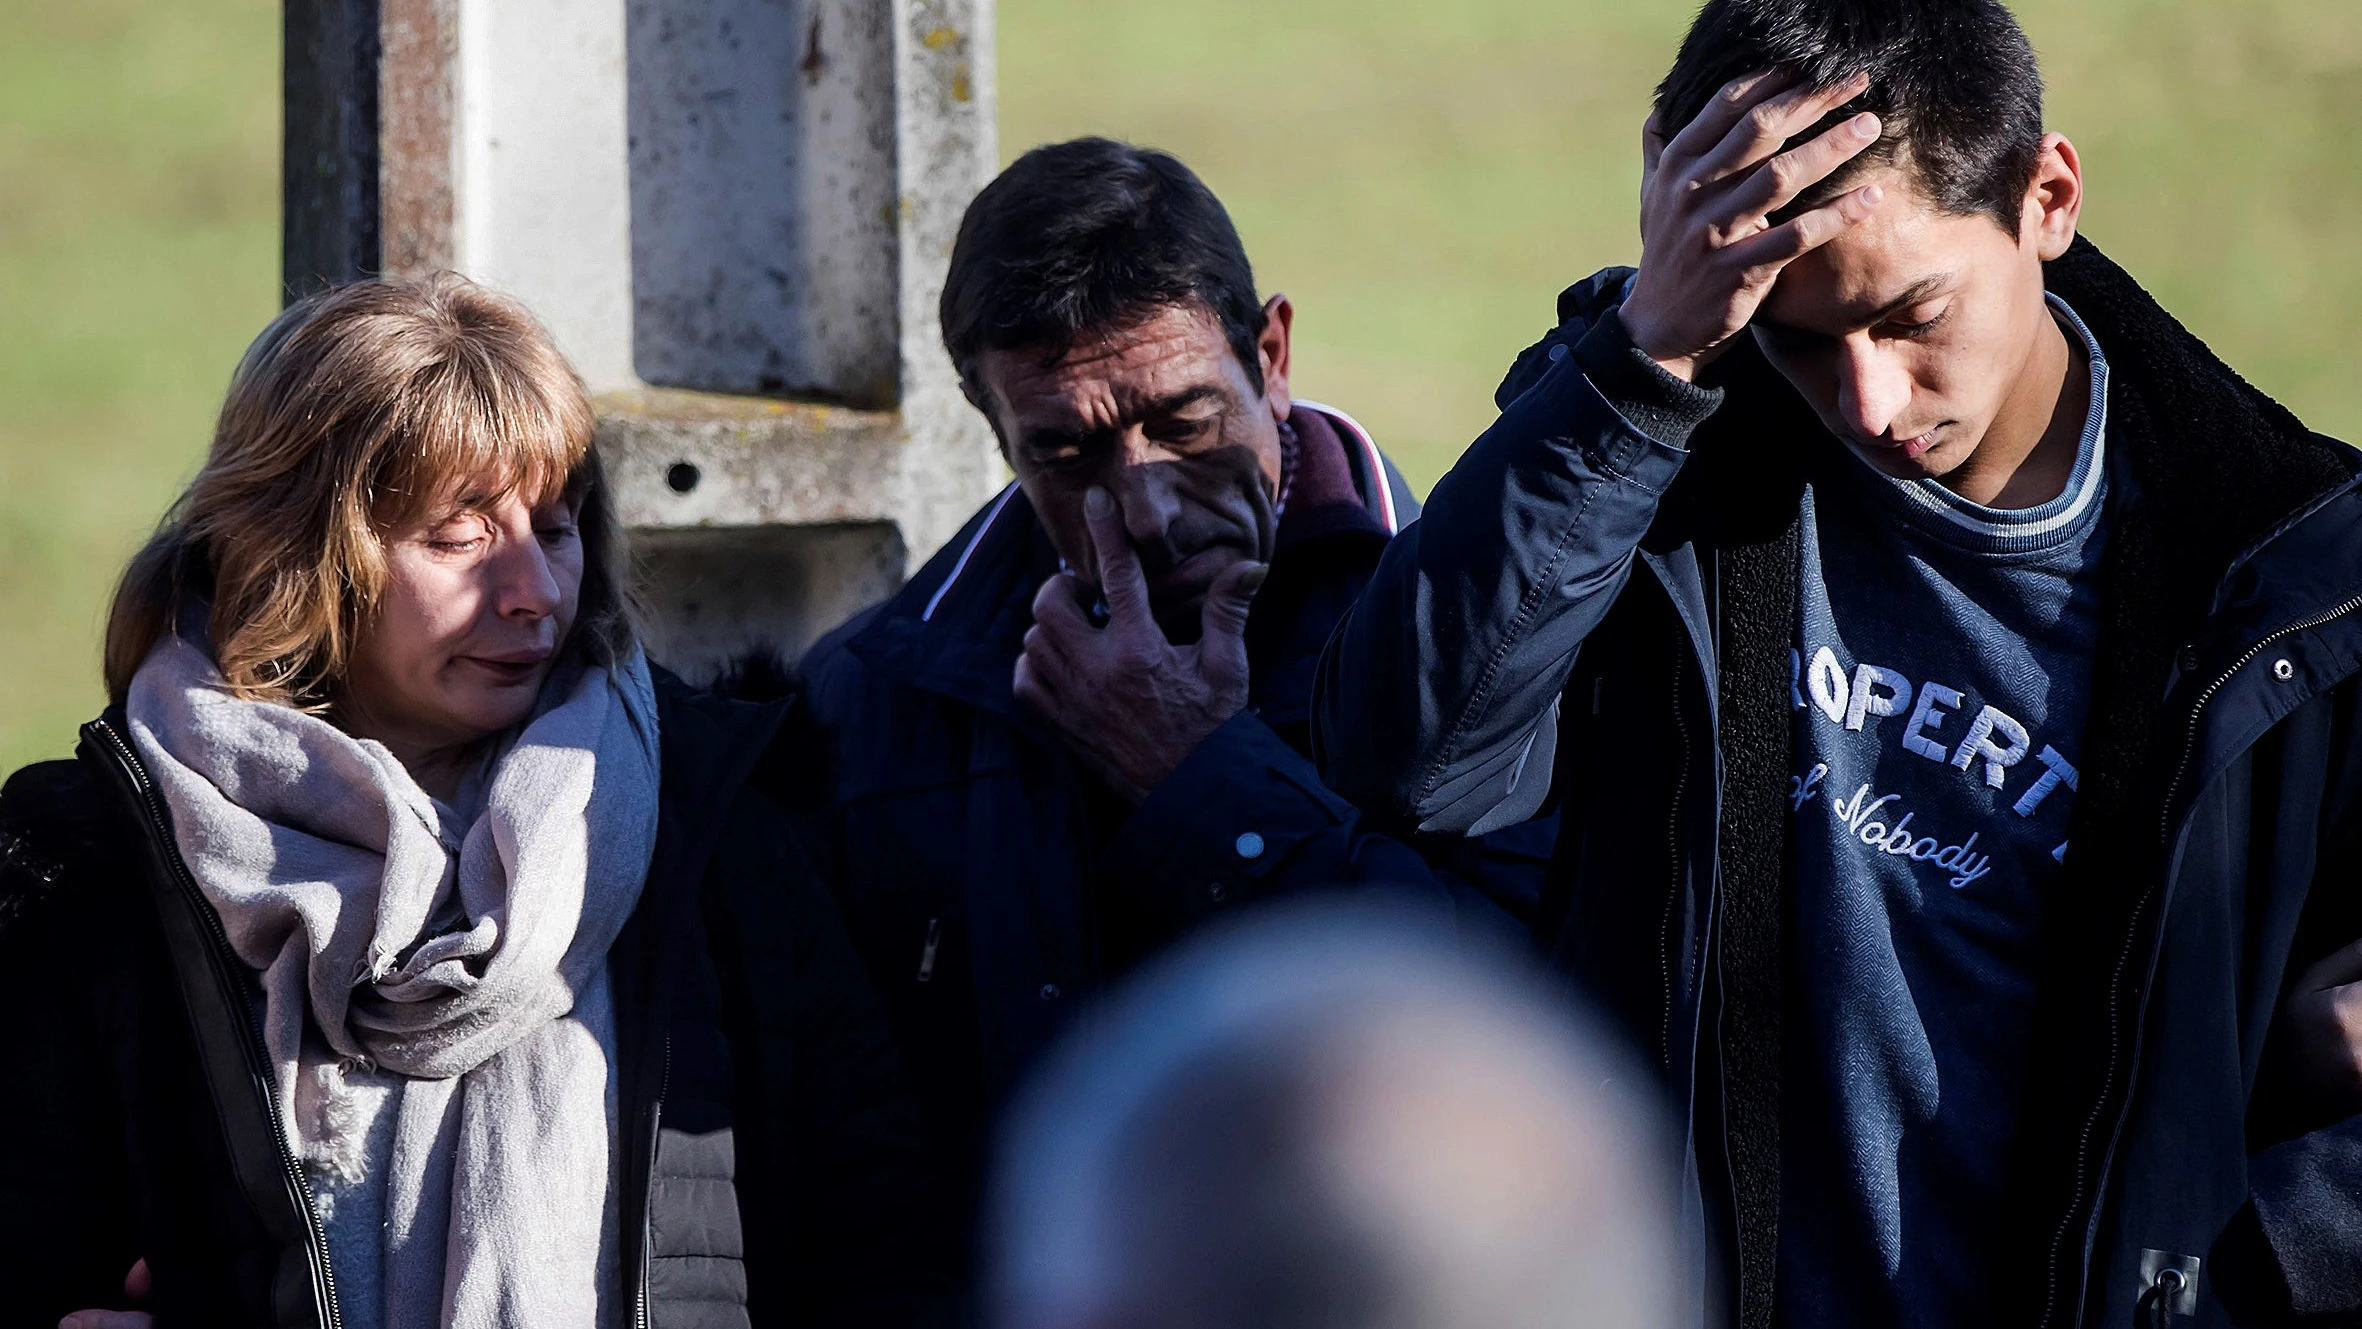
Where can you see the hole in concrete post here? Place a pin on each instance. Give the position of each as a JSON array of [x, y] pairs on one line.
[[683, 477]]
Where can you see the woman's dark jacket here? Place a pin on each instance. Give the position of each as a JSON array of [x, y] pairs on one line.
[[1588, 612], [769, 1141]]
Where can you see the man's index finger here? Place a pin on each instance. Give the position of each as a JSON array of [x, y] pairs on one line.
[[1120, 579]]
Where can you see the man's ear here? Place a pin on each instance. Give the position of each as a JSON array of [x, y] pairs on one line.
[[1272, 348], [2054, 202]]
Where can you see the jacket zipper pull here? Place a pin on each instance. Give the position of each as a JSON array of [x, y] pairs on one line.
[[927, 953], [664, 1086], [2171, 1289]]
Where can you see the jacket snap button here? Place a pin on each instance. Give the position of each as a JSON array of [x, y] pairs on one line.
[[1558, 353], [2189, 659], [1217, 892], [1050, 992], [1250, 845], [2283, 670]]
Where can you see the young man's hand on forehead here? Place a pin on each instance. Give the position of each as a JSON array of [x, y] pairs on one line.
[[1709, 249]]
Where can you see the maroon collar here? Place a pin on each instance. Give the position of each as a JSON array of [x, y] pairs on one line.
[[1324, 499]]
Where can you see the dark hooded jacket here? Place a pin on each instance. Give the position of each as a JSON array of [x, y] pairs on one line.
[[992, 885], [770, 1143], [1588, 612]]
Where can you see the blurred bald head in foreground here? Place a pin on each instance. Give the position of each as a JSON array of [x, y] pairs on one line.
[[1324, 1121]]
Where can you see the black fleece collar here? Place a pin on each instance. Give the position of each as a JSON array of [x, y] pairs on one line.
[[2224, 465]]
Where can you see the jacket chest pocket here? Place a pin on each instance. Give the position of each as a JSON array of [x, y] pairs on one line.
[[901, 860]]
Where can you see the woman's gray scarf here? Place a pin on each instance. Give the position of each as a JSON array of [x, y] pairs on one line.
[[469, 958]]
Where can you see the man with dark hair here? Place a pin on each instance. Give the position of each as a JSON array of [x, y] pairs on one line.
[[1067, 739], [1945, 671]]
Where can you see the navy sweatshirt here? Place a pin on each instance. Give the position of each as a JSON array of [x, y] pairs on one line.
[[1943, 681]]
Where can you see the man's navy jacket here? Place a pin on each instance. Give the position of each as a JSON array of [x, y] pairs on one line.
[[1589, 614], [992, 886]]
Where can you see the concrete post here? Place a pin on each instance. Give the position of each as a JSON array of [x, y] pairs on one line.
[[734, 215]]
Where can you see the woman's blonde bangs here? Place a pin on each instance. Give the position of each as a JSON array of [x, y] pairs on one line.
[[473, 433]]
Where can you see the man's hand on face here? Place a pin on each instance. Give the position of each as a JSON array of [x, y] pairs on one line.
[[1709, 253], [1128, 702], [2324, 1019]]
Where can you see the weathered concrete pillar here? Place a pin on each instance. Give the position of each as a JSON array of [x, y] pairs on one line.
[[734, 215]]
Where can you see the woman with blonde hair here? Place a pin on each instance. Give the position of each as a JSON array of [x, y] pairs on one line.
[[402, 949]]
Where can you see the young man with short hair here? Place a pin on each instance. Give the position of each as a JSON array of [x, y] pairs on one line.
[[1945, 668]]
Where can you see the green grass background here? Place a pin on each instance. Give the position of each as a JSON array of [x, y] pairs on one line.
[[1420, 177]]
